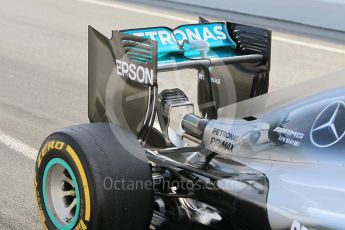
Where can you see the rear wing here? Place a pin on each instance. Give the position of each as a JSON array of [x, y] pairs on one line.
[[228, 43], [123, 69]]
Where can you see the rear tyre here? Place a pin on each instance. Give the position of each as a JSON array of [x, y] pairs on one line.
[[89, 178]]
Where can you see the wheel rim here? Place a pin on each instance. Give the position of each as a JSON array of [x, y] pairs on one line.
[[61, 194]]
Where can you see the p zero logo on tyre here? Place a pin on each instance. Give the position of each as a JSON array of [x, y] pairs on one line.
[[52, 145]]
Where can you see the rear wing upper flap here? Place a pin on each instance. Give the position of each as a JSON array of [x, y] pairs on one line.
[[228, 42]]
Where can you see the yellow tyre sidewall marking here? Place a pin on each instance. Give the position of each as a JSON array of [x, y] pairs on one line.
[[81, 226], [84, 181], [38, 205]]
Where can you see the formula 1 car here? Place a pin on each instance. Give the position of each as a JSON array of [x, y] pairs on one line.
[[218, 154]]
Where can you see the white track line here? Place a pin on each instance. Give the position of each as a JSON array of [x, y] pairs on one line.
[[190, 20], [18, 146]]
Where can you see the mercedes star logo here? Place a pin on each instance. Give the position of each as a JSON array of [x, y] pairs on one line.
[[329, 126]]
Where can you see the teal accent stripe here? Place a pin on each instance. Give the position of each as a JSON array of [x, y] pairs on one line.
[[63, 163]]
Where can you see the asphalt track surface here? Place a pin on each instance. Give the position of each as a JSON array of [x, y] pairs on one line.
[[43, 78]]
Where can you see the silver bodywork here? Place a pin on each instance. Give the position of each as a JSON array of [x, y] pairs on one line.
[[306, 179]]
